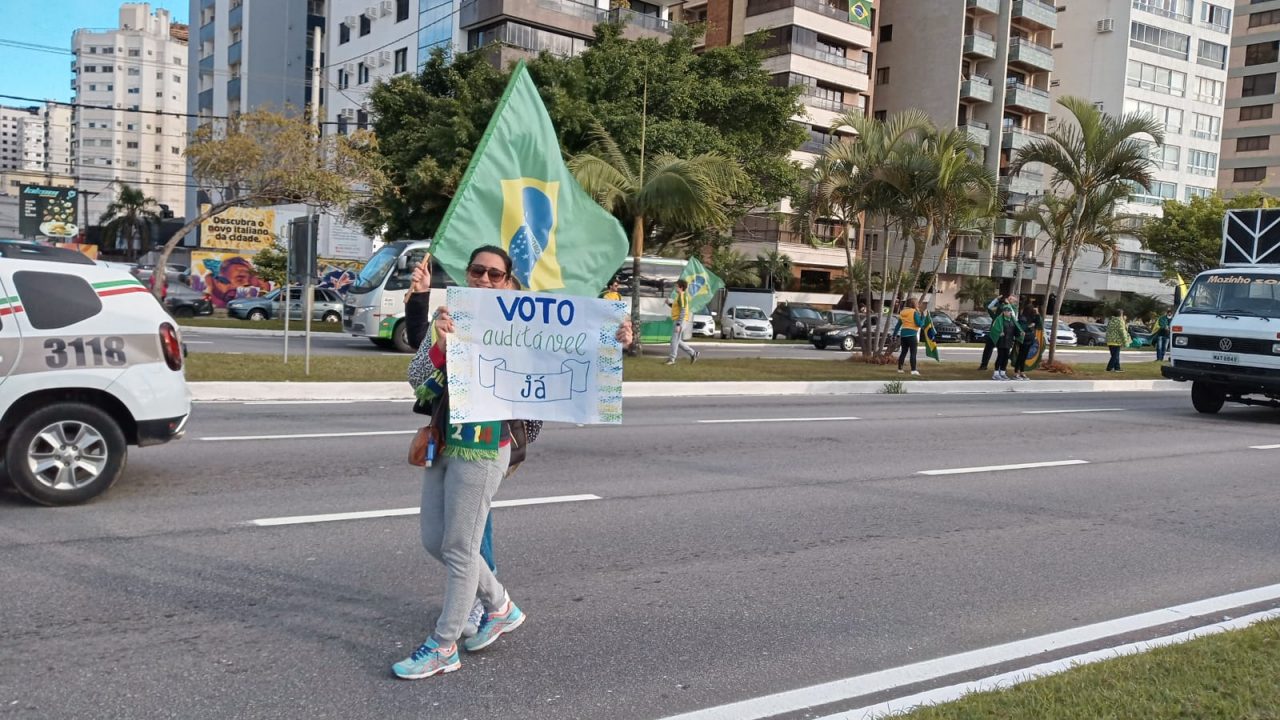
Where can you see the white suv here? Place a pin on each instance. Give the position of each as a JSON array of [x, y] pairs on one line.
[[89, 364]]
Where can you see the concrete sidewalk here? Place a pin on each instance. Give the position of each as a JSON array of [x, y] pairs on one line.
[[378, 391]]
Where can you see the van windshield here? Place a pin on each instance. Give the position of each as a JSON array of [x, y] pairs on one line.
[[1236, 293], [749, 313], [375, 271]]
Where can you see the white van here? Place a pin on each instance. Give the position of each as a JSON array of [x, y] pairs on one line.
[[89, 364]]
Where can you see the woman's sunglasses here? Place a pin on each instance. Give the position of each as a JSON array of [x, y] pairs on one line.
[[478, 271]]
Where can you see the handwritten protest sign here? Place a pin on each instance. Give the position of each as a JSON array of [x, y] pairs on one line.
[[534, 356]]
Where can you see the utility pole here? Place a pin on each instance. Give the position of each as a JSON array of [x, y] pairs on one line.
[[313, 227]]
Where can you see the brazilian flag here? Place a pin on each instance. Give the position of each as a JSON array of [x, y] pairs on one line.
[[929, 337], [519, 195], [703, 284], [1036, 351], [860, 12]]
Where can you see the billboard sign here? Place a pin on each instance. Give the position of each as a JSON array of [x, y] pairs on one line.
[[245, 229], [45, 211]]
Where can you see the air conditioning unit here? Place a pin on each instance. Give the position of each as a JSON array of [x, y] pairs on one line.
[[384, 57], [1106, 25], [388, 7], [370, 61], [348, 114], [371, 12], [349, 68]]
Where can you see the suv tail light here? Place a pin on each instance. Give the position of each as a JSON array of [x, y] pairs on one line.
[[170, 346]]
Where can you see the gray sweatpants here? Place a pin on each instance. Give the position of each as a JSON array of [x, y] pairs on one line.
[[455, 502], [677, 342]]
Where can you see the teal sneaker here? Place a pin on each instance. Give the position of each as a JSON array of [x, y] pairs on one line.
[[493, 626], [426, 661]]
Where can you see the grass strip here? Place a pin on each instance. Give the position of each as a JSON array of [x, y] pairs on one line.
[[377, 367], [226, 322], [1234, 674]]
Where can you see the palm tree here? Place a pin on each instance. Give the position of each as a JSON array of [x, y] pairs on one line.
[[689, 194], [1053, 214], [775, 268], [977, 290], [1095, 162], [733, 268], [129, 218]]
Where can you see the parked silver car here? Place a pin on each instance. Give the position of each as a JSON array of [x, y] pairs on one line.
[[327, 306]]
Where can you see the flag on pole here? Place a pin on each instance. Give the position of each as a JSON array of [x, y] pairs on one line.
[[519, 195], [1179, 291], [929, 336], [703, 284], [860, 12]]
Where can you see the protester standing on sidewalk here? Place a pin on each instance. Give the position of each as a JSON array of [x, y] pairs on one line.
[[1007, 336], [908, 331], [1117, 338], [993, 311], [681, 316], [1029, 322], [1164, 323]]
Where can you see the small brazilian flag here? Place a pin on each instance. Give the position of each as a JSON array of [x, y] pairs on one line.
[[860, 12], [929, 337], [518, 194], [703, 284], [1036, 351]]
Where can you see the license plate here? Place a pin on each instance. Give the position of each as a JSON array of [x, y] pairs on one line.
[[1218, 357]]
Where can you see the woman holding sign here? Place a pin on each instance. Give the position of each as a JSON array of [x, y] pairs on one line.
[[457, 491]]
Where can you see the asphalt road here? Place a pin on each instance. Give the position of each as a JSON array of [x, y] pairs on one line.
[[724, 560], [324, 343]]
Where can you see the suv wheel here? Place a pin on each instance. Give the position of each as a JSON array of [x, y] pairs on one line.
[[1207, 398], [65, 453]]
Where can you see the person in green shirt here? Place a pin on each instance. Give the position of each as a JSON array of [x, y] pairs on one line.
[[1164, 323], [1117, 338]]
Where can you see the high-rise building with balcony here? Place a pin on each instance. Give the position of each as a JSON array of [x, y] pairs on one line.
[[1251, 134], [985, 66], [126, 78], [1162, 58], [510, 30], [22, 139], [367, 41], [827, 50]]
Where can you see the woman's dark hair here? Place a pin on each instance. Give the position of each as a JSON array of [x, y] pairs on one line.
[[494, 249]]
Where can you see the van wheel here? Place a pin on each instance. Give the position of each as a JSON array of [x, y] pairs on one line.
[[1207, 398], [400, 337], [383, 343], [66, 453]]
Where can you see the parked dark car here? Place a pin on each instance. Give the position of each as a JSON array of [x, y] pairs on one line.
[[1089, 333], [182, 301], [974, 326], [794, 321], [945, 328], [841, 332]]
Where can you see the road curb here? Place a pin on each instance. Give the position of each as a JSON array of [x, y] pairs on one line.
[[381, 391], [250, 330]]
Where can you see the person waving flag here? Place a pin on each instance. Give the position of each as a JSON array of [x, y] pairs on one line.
[[929, 335]]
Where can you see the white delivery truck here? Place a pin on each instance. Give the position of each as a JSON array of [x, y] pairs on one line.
[[1226, 333]]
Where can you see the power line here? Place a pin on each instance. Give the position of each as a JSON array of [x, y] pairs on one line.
[[85, 106]]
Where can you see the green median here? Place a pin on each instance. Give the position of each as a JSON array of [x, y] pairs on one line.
[[1232, 675], [379, 368], [227, 322]]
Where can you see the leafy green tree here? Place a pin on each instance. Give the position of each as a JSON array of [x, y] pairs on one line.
[[776, 269], [1095, 161], [272, 264], [1188, 236], [128, 220], [733, 268], [717, 101], [977, 290]]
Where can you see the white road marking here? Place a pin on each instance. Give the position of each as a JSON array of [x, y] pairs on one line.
[[1080, 410], [396, 512], [995, 468], [305, 436], [1264, 447], [198, 342], [773, 420], [841, 690], [937, 696]]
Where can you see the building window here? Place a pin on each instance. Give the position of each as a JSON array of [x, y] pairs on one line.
[[1215, 16], [1255, 85], [1256, 112], [1253, 142], [344, 80], [1249, 174], [402, 10], [366, 25], [1210, 91], [362, 74], [886, 33], [173, 150], [401, 60], [526, 37], [1165, 157], [1201, 162], [1160, 191], [132, 145], [1191, 191], [344, 34], [1159, 79], [135, 71], [1261, 53], [1157, 40], [1170, 117], [1258, 19], [882, 76], [134, 53], [362, 119], [1206, 127]]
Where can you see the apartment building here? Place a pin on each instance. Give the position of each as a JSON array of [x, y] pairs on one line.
[[22, 138], [131, 75], [367, 41], [35, 146], [58, 126], [1162, 58], [826, 48], [1250, 146]]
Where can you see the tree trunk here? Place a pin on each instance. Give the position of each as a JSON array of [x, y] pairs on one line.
[[159, 282], [937, 269], [1057, 305], [637, 250]]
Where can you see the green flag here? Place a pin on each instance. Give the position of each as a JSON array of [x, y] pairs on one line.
[[860, 12], [703, 284], [518, 194]]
